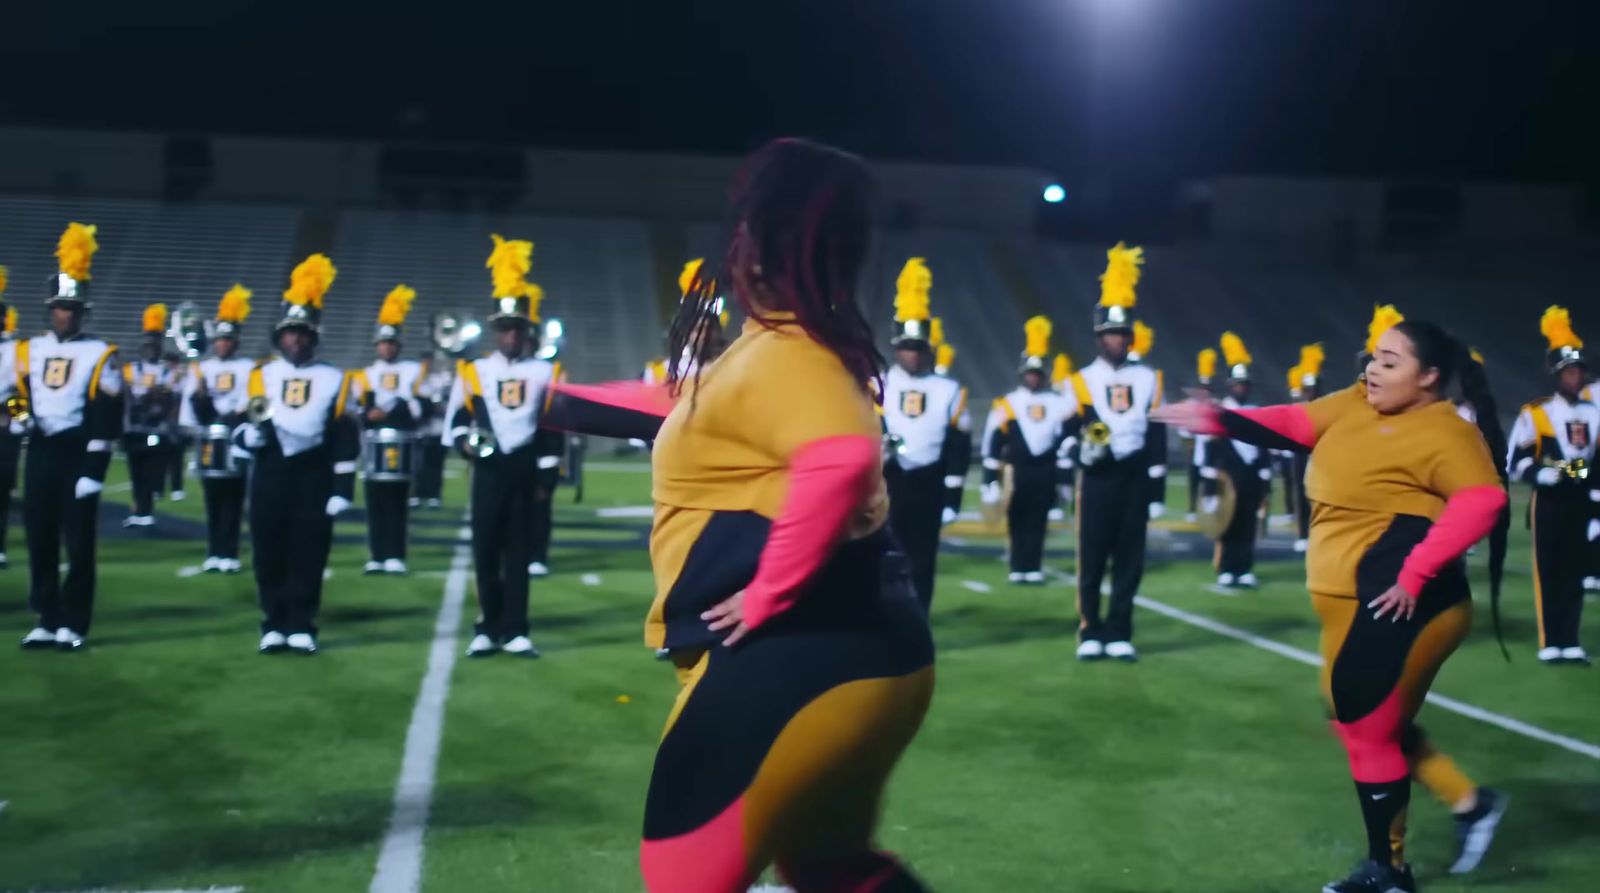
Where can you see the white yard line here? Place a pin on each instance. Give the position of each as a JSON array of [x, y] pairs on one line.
[[1515, 726], [590, 579], [626, 511], [976, 586], [400, 859], [189, 570]]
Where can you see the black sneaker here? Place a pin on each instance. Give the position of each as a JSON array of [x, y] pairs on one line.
[[1475, 829], [1375, 877]]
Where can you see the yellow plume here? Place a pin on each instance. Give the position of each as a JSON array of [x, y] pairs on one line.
[[1038, 331], [310, 281], [76, 250], [1476, 357], [1311, 357], [1233, 350], [235, 306], [1206, 363], [1384, 318], [911, 291], [11, 320], [535, 296], [1296, 379], [1121, 275], [1556, 325], [396, 305], [686, 278], [943, 356], [155, 318], [936, 333], [5, 276], [1144, 338], [509, 264], [1062, 369]]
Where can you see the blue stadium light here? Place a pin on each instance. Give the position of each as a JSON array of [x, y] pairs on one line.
[[1055, 193]]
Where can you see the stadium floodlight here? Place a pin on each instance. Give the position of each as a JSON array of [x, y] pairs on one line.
[[1055, 193]]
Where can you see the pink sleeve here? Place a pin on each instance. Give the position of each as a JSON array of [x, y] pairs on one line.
[[827, 481], [1468, 516], [625, 409], [1290, 422]]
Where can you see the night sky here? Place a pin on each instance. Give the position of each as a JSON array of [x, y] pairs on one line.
[[1117, 88]]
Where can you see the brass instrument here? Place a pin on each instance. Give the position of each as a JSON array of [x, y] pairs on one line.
[[18, 410], [189, 330], [454, 333], [1215, 522], [481, 443], [1574, 469], [258, 410], [1097, 434]]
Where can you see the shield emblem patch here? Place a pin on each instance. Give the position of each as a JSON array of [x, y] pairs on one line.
[[225, 382], [913, 403], [56, 371], [1578, 434], [389, 381], [296, 392], [1036, 411], [513, 393], [1119, 397]]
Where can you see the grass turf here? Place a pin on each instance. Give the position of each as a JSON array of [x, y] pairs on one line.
[[170, 755]]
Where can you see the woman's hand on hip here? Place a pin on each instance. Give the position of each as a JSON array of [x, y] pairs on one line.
[[1403, 603], [728, 614]]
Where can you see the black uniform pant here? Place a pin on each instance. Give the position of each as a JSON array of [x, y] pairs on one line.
[[147, 471], [1302, 505], [290, 533], [10, 452], [1113, 513], [543, 522], [502, 531], [1194, 488], [430, 474], [224, 514], [1560, 559], [1236, 550], [53, 516], [386, 519], [1033, 495], [177, 451], [916, 514]]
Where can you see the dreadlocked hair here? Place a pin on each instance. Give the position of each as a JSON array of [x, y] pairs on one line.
[[1437, 349], [798, 223]]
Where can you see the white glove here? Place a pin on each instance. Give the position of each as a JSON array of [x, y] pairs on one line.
[[1547, 476], [337, 504], [1157, 509], [1265, 474], [1594, 530], [86, 487], [1067, 494], [1594, 495], [1157, 472], [252, 438], [948, 517], [1208, 504], [991, 493], [1092, 453]]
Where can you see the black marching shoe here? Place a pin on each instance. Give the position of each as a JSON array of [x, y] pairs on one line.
[[1375, 877], [1475, 829]]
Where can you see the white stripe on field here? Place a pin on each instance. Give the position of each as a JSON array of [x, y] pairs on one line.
[[590, 579], [1515, 726], [976, 586], [400, 860], [627, 511]]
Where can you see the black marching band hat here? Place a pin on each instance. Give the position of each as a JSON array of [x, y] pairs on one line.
[[912, 328], [392, 315], [1236, 356], [1117, 290], [1037, 332], [231, 313], [515, 299], [302, 302], [74, 252], [1566, 348]]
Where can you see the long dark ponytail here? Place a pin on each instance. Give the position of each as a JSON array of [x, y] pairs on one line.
[[1437, 349]]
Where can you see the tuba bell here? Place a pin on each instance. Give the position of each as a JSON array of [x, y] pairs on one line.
[[189, 330], [258, 410], [453, 333], [481, 443]]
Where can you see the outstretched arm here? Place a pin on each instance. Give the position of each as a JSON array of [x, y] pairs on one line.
[[623, 410]]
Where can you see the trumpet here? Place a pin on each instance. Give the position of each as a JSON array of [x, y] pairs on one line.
[[1097, 434], [1574, 469], [481, 443], [258, 410]]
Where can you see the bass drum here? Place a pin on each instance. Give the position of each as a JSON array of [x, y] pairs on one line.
[[388, 455], [215, 457]]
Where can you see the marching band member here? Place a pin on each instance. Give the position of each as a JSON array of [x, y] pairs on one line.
[[388, 392], [215, 393], [1307, 386], [928, 429], [151, 406], [494, 416], [439, 375], [1553, 448], [1248, 467], [1205, 373], [10, 444], [69, 400], [304, 444], [177, 451], [1023, 439], [1122, 455], [551, 447]]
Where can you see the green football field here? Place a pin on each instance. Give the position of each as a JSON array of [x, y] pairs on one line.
[[169, 756]]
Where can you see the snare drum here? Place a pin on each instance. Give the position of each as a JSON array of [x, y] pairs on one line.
[[387, 454], [215, 459]]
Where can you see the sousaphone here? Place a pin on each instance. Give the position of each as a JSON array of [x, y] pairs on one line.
[[1214, 522]]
